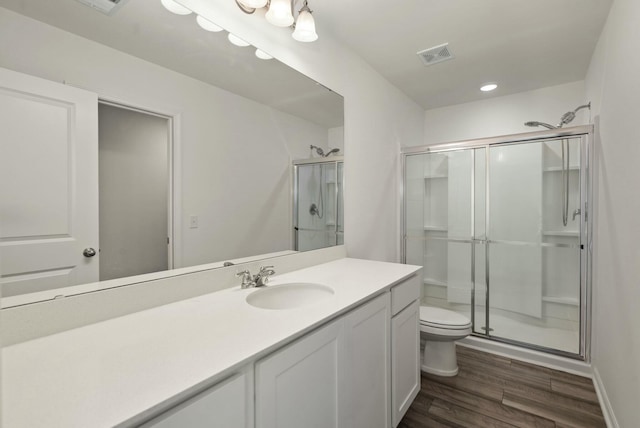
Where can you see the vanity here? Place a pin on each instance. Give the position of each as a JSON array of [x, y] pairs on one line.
[[340, 350]]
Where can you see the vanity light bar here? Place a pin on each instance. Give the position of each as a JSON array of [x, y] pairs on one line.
[[205, 24]]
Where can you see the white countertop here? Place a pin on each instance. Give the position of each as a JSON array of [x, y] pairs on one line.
[[104, 374]]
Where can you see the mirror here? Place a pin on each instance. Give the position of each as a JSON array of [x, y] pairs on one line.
[[230, 127]]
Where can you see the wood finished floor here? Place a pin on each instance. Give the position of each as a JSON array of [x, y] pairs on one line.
[[494, 391]]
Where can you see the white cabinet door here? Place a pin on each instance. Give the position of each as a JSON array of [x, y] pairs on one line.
[[227, 404], [48, 184], [367, 377], [298, 386], [405, 360]]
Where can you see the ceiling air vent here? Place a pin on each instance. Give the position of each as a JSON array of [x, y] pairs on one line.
[[108, 7], [436, 54]]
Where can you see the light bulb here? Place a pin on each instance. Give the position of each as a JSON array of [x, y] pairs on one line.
[[488, 87], [254, 4], [207, 25], [174, 7], [305, 27], [262, 54], [237, 40], [279, 13]]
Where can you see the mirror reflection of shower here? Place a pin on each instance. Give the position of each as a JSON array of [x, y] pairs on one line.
[[566, 118], [321, 152], [318, 207]]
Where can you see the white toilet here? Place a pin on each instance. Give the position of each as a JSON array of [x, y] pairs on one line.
[[442, 328]]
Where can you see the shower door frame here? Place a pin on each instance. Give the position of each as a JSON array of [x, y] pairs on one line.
[[585, 133], [295, 189]]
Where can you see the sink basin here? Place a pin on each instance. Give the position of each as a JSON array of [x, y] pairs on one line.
[[289, 296]]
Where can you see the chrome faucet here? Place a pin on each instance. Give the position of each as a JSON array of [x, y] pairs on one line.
[[258, 280]]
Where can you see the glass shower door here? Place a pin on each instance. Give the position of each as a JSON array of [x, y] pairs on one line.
[[438, 225], [500, 230], [532, 253]]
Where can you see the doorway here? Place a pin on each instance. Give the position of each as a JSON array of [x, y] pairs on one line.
[[134, 165]]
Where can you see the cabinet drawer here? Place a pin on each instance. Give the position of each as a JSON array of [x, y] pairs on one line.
[[403, 294]]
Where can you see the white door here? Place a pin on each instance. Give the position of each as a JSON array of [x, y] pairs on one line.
[[48, 184]]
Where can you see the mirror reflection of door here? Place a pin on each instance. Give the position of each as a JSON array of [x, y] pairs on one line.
[[48, 184], [134, 199]]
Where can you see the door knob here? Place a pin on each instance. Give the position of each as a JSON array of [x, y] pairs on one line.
[[89, 252]]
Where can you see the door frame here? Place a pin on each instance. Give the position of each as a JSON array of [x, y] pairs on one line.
[[174, 211]]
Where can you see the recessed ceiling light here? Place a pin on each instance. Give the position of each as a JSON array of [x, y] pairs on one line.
[[487, 87], [237, 40]]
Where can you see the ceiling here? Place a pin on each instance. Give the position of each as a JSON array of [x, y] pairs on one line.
[[520, 44]]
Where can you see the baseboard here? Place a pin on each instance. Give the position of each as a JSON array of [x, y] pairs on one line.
[[605, 404]]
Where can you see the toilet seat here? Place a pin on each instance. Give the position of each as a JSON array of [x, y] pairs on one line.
[[438, 318]]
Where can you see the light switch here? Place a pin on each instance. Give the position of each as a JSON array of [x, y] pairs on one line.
[[193, 222]]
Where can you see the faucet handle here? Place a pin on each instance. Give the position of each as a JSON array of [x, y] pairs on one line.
[[262, 277], [247, 280], [575, 213], [267, 269]]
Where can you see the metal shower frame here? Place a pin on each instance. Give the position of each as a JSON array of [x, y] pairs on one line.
[[585, 133]]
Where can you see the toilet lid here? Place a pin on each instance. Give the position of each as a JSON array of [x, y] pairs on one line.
[[442, 317]]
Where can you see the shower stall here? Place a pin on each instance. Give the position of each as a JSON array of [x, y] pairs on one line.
[[502, 229], [318, 209]]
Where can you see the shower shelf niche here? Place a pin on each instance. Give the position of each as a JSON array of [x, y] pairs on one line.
[[559, 168], [435, 229], [564, 233], [570, 301]]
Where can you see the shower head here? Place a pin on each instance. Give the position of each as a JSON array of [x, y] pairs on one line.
[[321, 152], [318, 150], [534, 123], [565, 119], [570, 115]]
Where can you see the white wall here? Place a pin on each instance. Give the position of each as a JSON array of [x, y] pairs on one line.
[[504, 115], [229, 173], [613, 84], [133, 192], [378, 120], [335, 138]]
